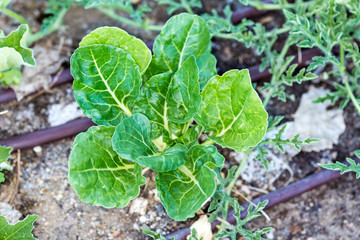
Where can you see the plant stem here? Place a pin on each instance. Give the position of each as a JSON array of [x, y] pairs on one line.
[[266, 35], [187, 7], [15, 16], [237, 174], [111, 13], [232, 183], [54, 27], [345, 79]]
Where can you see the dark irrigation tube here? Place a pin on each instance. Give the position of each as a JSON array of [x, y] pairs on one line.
[[247, 12], [281, 195], [48, 135]]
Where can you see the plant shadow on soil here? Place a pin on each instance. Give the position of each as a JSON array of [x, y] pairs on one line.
[[329, 212]]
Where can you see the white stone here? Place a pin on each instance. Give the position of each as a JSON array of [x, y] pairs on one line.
[[139, 206]]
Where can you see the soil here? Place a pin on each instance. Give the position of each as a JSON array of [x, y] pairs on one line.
[[329, 212]]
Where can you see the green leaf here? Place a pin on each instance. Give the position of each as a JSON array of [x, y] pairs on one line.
[[119, 38], [232, 111], [183, 97], [183, 35], [191, 136], [132, 141], [152, 103], [13, 50], [98, 174], [106, 82], [186, 189], [343, 168], [5, 153], [21, 230]]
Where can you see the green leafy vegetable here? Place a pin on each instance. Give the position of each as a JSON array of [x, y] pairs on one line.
[[98, 174], [183, 97], [185, 190], [148, 120], [344, 168], [21, 230], [132, 141], [5, 153], [232, 112], [183, 36], [119, 38], [106, 82], [152, 103]]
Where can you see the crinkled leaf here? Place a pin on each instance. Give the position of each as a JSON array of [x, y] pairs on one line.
[[106, 82], [21, 230], [13, 49], [186, 189], [183, 35], [191, 136], [119, 38], [132, 141], [152, 104], [171, 159], [5, 153], [183, 97], [232, 111], [98, 174]]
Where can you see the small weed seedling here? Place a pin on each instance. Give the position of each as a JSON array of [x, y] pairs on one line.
[[145, 107]]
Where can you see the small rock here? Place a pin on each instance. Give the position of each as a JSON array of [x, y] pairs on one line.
[[139, 206], [38, 151], [61, 113], [203, 228], [136, 227], [143, 219]]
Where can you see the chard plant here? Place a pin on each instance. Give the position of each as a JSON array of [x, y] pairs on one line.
[[151, 111]]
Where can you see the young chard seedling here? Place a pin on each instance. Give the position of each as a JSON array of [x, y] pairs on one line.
[[145, 106]]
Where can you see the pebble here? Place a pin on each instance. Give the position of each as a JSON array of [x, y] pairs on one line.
[[139, 206], [143, 219]]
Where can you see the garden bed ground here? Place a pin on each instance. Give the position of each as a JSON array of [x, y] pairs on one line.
[[329, 212]]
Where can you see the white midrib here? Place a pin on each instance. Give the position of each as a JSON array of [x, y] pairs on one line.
[[126, 167], [187, 172], [121, 105], [181, 53]]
